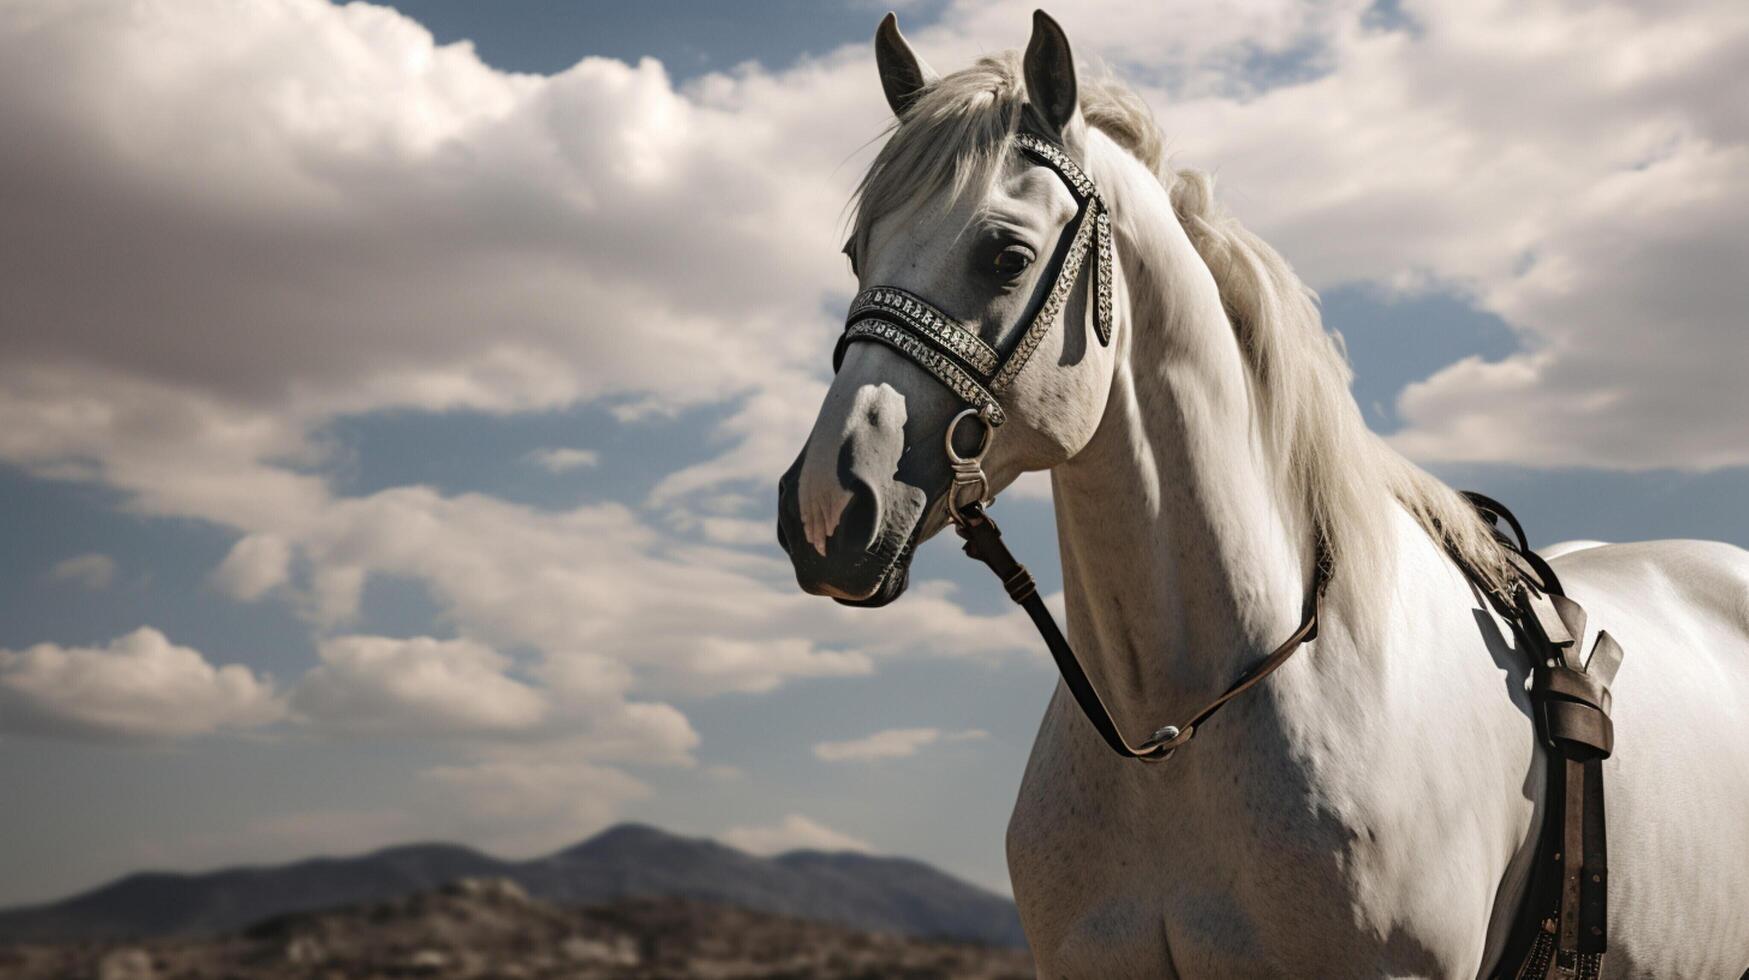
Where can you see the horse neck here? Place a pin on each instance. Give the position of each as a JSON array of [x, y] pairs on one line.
[[1184, 558]]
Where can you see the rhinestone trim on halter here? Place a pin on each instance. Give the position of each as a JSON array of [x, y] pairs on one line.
[[917, 313], [1052, 308], [951, 374], [1102, 319], [1054, 157]]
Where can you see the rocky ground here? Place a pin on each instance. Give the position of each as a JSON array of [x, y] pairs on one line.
[[479, 928]]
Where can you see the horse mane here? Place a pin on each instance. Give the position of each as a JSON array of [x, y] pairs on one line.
[[955, 136]]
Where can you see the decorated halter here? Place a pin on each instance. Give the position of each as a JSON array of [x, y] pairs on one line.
[[953, 351]]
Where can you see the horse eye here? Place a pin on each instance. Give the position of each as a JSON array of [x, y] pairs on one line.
[[1013, 260]]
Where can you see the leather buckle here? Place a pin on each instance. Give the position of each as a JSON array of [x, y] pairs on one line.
[[1166, 741]]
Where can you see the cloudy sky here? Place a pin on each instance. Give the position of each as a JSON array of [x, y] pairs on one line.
[[391, 398]]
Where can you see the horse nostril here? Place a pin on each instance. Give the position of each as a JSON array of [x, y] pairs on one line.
[[786, 512], [861, 522]]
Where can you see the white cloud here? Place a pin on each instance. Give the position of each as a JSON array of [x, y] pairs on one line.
[[461, 238], [564, 459], [255, 564], [743, 532], [1219, 48], [794, 832], [416, 686], [1637, 303], [597, 581], [524, 808], [336, 589], [92, 571], [752, 666], [137, 686], [545, 239], [1572, 169], [894, 743]]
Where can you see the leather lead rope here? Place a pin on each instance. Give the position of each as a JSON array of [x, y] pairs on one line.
[[984, 542]]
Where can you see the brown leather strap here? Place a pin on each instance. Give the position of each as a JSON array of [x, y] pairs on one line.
[[1580, 940], [1572, 852], [1578, 686], [1594, 874], [984, 542], [1308, 630], [1561, 930], [1580, 731]]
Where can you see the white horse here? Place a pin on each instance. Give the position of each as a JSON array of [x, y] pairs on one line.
[[1371, 809]]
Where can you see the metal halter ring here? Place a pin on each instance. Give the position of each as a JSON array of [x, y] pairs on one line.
[[968, 471]]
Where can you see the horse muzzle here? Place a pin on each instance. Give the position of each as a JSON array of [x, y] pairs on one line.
[[868, 555]]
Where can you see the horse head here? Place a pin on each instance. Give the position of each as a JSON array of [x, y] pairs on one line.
[[983, 253]]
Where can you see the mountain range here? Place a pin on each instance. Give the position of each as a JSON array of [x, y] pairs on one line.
[[866, 892]]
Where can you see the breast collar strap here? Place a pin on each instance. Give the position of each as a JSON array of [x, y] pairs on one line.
[[983, 541]]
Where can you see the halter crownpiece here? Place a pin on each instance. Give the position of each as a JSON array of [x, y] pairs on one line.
[[951, 350]]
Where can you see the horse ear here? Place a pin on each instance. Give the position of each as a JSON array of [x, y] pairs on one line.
[[1050, 74], [904, 76]]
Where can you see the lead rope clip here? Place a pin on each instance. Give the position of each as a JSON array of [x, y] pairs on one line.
[[970, 485]]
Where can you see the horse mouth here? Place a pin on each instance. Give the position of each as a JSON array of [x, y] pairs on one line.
[[852, 571], [895, 578]]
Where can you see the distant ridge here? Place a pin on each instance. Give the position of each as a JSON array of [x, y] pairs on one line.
[[881, 894]]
